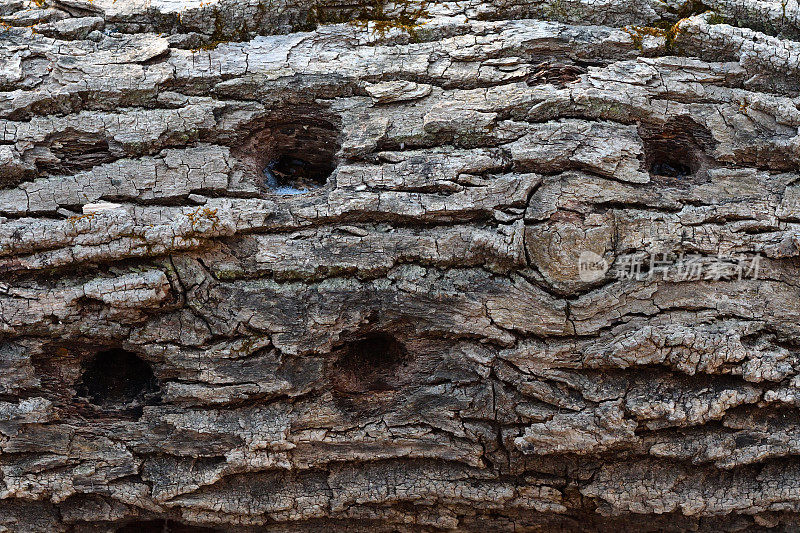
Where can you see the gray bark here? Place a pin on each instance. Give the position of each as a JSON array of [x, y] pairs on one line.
[[282, 266]]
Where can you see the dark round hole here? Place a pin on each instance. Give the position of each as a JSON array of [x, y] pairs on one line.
[[370, 364], [117, 378], [291, 175], [293, 151], [677, 150], [670, 169]]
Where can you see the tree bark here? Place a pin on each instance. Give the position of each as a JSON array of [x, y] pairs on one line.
[[476, 266]]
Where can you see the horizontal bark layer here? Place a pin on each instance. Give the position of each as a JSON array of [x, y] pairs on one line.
[[283, 266]]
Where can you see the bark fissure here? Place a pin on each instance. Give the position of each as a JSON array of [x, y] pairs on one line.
[[471, 266]]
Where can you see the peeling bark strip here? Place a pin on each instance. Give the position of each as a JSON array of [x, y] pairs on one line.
[[416, 266]]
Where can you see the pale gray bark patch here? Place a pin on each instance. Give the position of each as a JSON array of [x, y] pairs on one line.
[[337, 267]]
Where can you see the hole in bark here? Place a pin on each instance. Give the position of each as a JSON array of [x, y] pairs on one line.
[[289, 175], [670, 169], [293, 157], [676, 150], [116, 379], [370, 364], [162, 526]]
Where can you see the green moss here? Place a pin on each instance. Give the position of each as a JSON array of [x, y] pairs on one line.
[[404, 15], [380, 16], [557, 10], [219, 36], [716, 18], [321, 15], [227, 275]]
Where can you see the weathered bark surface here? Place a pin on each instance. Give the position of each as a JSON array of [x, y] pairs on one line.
[[409, 346]]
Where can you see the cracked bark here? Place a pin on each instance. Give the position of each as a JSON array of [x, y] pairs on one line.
[[405, 344]]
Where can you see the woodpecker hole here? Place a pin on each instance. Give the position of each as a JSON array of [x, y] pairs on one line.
[[118, 379], [294, 156], [370, 364]]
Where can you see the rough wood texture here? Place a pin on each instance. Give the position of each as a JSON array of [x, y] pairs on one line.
[[409, 344]]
